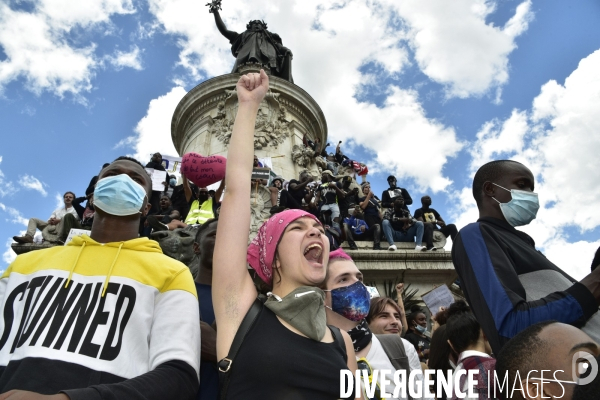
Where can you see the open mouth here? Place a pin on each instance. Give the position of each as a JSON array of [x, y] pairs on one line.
[[314, 253]]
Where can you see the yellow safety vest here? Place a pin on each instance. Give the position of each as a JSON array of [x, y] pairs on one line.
[[200, 214]]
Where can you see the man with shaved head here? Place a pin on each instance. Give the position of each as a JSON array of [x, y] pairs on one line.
[[557, 349], [509, 283]]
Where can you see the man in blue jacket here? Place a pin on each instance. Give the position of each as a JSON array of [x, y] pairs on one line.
[[510, 284], [356, 228]]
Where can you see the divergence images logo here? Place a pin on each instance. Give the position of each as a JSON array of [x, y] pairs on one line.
[[584, 367]]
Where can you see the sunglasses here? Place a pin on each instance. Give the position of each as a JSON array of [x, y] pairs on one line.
[[364, 365]]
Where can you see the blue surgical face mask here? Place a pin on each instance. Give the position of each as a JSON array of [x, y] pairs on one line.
[[522, 209], [173, 182], [352, 302], [119, 195], [420, 329]]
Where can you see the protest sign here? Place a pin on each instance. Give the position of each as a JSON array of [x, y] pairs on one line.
[[438, 297], [76, 232], [261, 173]]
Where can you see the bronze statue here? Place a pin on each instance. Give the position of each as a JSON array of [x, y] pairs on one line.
[[256, 45]]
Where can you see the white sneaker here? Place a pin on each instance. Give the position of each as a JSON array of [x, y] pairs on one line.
[[392, 248], [420, 248], [432, 249]]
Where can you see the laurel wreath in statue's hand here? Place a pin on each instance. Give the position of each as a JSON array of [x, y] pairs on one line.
[[215, 5]]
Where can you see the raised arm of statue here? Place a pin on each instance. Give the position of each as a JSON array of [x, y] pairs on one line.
[[231, 35]]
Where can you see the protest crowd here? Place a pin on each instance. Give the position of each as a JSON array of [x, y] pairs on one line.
[[110, 316]]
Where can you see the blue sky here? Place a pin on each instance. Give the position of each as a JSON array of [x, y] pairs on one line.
[[425, 90]]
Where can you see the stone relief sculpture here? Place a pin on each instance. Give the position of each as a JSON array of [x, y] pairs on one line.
[[222, 125], [302, 155], [271, 126], [178, 244], [260, 205]]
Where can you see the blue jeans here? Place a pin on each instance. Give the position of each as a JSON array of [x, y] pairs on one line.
[[392, 235]]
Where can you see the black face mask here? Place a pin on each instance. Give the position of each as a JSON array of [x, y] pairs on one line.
[[202, 197], [361, 335]]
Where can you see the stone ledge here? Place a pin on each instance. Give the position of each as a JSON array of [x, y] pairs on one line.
[[19, 248], [368, 245]]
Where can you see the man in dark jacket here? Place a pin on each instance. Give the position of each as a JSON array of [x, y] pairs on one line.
[[510, 284], [393, 192], [156, 164]]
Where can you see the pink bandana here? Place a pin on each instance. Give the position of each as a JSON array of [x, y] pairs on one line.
[[261, 250]]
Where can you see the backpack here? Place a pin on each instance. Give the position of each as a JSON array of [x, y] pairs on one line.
[[394, 349]]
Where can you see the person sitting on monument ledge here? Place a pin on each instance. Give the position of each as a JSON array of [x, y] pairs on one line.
[[390, 194], [92, 184], [52, 230], [331, 194], [202, 208], [355, 228], [430, 216], [350, 197], [85, 214], [300, 190], [400, 226], [369, 203], [164, 216], [156, 164], [281, 199]]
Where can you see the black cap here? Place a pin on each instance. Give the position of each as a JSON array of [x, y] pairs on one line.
[[391, 177]]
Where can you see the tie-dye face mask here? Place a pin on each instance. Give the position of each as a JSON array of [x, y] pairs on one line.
[[352, 302]]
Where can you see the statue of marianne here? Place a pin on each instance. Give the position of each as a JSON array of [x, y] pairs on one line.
[[256, 44]]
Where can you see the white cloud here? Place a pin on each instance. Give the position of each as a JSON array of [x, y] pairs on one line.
[[455, 46], [574, 258], [33, 183], [153, 131], [7, 188], [14, 215], [9, 255], [331, 41], [497, 138], [60, 201], [557, 139], [40, 50], [123, 59]]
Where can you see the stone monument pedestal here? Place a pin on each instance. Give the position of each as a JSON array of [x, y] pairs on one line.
[[288, 116]]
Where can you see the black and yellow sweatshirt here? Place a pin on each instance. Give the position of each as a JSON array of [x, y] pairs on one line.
[[100, 321]]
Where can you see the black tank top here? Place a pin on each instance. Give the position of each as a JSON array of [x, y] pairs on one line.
[[276, 363]]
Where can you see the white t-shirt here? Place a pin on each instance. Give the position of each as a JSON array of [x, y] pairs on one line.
[[379, 360], [59, 213]]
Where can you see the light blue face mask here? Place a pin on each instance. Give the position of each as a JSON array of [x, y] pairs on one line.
[[522, 209], [119, 195]]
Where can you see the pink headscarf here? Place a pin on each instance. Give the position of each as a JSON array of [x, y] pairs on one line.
[[261, 250], [339, 253]]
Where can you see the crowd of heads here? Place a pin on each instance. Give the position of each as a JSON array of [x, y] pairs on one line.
[[350, 211]]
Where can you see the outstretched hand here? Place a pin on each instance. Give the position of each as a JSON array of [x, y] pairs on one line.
[[252, 88]]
